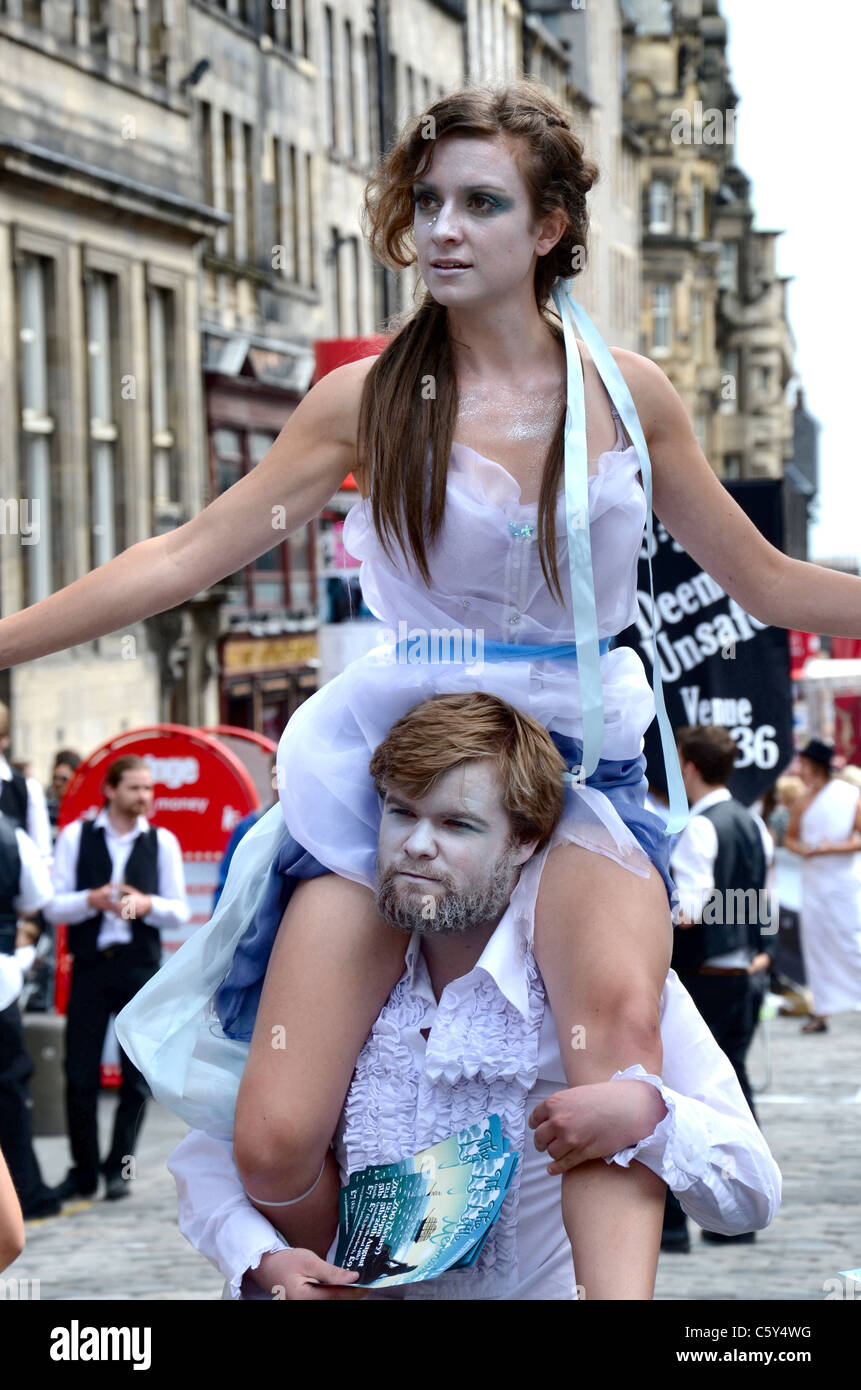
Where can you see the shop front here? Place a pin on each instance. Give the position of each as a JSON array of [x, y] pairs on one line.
[[264, 679]]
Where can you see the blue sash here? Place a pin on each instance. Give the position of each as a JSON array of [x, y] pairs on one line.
[[508, 651], [574, 315]]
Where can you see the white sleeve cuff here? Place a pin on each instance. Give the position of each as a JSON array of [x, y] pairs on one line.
[[242, 1284], [678, 1148]]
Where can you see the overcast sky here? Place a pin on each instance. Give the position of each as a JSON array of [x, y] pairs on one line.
[[795, 66]]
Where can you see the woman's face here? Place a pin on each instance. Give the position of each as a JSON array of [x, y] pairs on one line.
[[472, 207]]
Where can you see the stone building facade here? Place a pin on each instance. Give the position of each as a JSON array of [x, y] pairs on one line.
[[714, 308], [180, 226]]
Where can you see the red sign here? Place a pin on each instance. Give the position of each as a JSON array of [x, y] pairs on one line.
[[201, 791], [330, 353], [802, 646]]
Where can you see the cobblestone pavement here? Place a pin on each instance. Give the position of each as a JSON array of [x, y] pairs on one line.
[[809, 1100]]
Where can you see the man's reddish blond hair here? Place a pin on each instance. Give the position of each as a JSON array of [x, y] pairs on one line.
[[447, 730]]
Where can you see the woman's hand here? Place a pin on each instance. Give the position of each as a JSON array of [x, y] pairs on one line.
[[595, 1121], [301, 1275]]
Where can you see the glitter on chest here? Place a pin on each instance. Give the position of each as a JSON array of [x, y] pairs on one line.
[[516, 415]]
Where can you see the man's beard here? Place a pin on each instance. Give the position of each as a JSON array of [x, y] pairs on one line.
[[411, 907]]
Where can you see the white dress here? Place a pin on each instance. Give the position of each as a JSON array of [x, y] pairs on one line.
[[831, 902], [487, 579], [485, 575]]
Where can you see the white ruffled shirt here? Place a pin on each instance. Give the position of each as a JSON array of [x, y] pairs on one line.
[[492, 1046]]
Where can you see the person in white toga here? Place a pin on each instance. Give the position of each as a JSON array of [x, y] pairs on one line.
[[472, 789], [825, 829]]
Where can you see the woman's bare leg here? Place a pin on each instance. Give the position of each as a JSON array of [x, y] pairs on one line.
[[603, 940], [333, 966]]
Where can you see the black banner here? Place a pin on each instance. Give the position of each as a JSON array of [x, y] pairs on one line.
[[719, 665]]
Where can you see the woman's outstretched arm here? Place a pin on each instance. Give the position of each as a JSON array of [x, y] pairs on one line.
[[289, 486], [603, 940], [333, 966], [706, 521]]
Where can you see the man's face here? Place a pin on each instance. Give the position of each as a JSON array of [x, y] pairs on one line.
[[446, 862], [133, 794], [60, 780], [810, 772], [689, 774]]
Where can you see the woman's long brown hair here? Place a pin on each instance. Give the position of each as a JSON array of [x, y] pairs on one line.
[[409, 398]]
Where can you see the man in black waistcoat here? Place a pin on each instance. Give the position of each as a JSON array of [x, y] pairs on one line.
[[725, 920], [22, 798], [25, 886], [117, 881]]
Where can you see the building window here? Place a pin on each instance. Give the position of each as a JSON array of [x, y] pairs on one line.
[[309, 221], [227, 456], [38, 382], [732, 466], [206, 152], [356, 266], [277, 220], [728, 270], [698, 326], [660, 206], [329, 78], [295, 213], [301, 578], [698, 223], [283, 577], [395, 112], [249, 181], [662, 318], [371, 93], [229, 184], [164, 372], [249, 172], [349, 92], [105, 475], [158, 34], [337, 279]]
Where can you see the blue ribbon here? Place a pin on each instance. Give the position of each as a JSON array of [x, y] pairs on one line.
[[506, 651], [574, 315], [580, 552]]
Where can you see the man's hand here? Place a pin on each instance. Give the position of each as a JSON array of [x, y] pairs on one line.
[[27, 934], [132, 904], [761, 961], [103, 899], [595, 1121], [301, 1275]]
